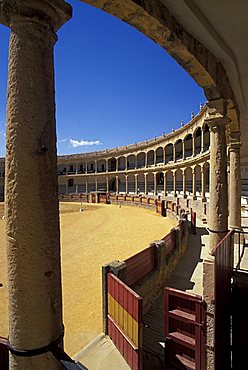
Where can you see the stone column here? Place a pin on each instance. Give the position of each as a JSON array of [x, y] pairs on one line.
[[96, 184], [184, 183], [107, 184], [126, 177], [117, 184], [155, 158], [76, 188], [194, 183], [136, 183], [106, 165], [86, 186], [174, 183], [146, 160], [218, 207], [95, 166], [203, 183], [135, 162], [174, 153], [145, 175], [155, 183], [126, 163], [86, 167], [193, 145], [235, 181], [76, 168], [66, 187], [32, 209], [202, 140], [165, 183], [183, 147]]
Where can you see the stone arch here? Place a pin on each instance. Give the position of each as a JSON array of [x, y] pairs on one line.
[[179, 149], [121, 163], [198, 137], [112, 164], [141, 160], [150, 158], [122, 184], [112, 185], [169, 153], [131, 183], [131, 162], [189, 180], [206, 137], [179, 180], [101, 165], [198, 179], [91, 167], [159, 155], [188, 144], [150, 183], [160, 182], [169, 182]]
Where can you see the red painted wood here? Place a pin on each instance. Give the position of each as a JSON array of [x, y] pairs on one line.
[[170, 241], [133, 304], [224, 263], [4, 354], [140, 265], [132, 301], [184, 329]]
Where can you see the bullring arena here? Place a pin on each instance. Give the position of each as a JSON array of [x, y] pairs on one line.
[[107, 204], [90, 239]]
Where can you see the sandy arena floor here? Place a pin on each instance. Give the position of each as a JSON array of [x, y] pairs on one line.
[[89, 239]]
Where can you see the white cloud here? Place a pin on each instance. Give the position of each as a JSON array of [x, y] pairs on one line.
[[77, 143], [62, 140]]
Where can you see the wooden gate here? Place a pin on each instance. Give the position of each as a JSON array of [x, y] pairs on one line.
[[125, 310], [223, 265], [185, 330]]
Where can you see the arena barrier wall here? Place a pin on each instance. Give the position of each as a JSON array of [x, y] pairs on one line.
[[145, 275]]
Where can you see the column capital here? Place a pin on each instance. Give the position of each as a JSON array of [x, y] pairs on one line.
[[53, 12], [217, 114], [234, 142], [145, 174]]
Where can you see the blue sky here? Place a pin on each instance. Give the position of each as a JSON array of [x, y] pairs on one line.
[[114, 86]]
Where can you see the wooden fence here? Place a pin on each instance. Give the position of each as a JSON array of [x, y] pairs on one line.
[[140, 265]]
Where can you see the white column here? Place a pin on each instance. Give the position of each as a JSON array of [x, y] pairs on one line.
[[136, 183], [194, 183], [165, 182], [145, 177], [117, 184], [184, 183], [126, 178], [174, 183], [107, 184], [155, 183]]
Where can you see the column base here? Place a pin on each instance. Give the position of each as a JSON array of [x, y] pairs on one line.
[[194, 197], [204, 199], [185, 196]]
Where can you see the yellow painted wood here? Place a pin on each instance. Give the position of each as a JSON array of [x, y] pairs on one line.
[[125, 321]]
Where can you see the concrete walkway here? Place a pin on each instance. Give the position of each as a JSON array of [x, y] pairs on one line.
[[101, 354]]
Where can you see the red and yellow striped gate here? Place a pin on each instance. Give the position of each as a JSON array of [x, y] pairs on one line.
[[125, 310]]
